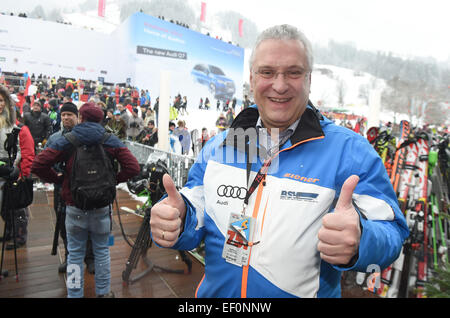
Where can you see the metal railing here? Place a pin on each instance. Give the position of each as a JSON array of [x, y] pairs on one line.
[[177, 165]]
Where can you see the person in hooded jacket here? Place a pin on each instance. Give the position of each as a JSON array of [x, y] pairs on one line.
[[79, 223], [39, 124]]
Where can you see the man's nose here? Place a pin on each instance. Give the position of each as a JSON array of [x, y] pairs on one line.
[[280, 83]]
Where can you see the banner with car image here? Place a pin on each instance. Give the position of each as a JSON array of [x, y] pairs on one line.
[[200, 66]]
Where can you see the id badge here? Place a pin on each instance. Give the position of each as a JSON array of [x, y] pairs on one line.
[[236, 249]]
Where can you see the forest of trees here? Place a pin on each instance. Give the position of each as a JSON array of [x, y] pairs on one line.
[[416, 86]]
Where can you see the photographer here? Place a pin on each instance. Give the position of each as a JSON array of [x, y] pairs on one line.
[[20, 168], [135, 125]]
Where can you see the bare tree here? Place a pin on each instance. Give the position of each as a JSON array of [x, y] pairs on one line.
[[38, 13], [341, 90]]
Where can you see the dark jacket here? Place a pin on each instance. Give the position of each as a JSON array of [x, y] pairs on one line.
[[61, 150], [39, 124]]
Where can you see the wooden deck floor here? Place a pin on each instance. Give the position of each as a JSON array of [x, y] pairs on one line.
[[38, 269]]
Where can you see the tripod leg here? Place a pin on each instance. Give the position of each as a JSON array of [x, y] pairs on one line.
[[14, 242], [187, 260], [3, 249]]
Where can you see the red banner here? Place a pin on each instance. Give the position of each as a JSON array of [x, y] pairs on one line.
[[203, 14], [241, 30], [101, 8]]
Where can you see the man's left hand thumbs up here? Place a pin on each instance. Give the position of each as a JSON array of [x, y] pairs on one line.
[[340, 232]]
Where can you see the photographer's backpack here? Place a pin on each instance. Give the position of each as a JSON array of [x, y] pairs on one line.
[[92, 179]]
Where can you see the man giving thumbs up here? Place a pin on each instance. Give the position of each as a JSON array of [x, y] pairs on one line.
[[267, 218]]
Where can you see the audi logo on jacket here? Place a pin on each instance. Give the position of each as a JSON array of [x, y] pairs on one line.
[[230, 191]]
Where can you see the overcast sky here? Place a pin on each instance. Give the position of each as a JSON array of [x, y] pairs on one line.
[[407, 27], [410, 27]]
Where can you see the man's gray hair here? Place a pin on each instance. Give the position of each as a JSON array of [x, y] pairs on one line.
[[284, 32]]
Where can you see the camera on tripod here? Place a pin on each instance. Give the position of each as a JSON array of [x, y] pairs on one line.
[[150, 178]]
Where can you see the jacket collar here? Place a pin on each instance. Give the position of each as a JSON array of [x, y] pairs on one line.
[[308, 127]]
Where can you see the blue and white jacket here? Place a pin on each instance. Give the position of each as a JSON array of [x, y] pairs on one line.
[[301, 186]]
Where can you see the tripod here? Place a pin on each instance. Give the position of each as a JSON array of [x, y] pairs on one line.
[[13, 226], [140, 248]]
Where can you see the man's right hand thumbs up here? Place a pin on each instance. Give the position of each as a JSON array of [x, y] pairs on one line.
[[167, 216]]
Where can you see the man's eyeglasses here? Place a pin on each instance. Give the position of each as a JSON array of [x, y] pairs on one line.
[[272, 74]]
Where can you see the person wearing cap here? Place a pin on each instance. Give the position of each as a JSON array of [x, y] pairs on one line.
[[79, 224], [69, 118], [117, 125], [39, 124], [135, 125]]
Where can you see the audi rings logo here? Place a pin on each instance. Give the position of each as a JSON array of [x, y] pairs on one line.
[[231, 192]]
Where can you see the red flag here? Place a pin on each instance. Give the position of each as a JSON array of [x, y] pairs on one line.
[[27, 85], [203, 14], [241, 31], [101, 8]]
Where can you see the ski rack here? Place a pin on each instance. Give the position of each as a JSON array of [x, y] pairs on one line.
[[422, 197]]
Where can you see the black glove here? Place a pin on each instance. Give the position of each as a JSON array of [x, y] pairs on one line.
[[5, 171], [14, 175]]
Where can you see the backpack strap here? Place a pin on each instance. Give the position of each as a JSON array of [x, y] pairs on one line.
[[105, 137], [72, 139]]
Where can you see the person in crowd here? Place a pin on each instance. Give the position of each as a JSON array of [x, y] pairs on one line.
[[108, 117], [174, 142], [103, 107], [207, 103], [204, 137], [117, 126], [39, 124], [20, 168], [230, 116], [135, 125], [79, 223], [247, 102], [183, 136], [55, 115], [183, 106], [149, 115], [221, 123], [149, 135], [297, 198], [218, 105], [123, 113], [69, 118], [227, 105], [156, 109], [200, 105], [233, 104]]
